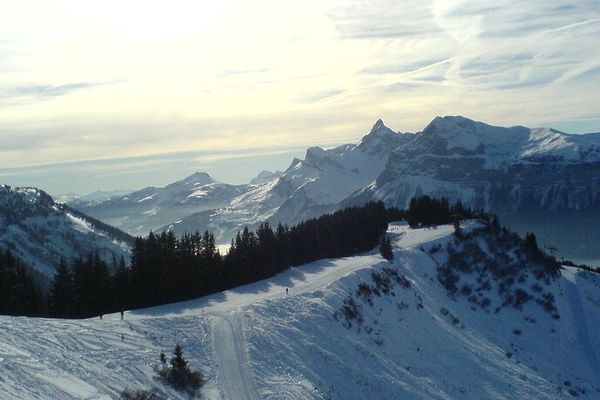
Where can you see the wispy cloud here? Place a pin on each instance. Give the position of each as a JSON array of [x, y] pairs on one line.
[[384, 19], [38, 92], [321, 95]]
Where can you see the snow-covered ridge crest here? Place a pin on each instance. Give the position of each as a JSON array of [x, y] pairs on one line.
[[500, 146]]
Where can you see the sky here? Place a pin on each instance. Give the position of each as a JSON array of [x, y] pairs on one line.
[[124, 94]]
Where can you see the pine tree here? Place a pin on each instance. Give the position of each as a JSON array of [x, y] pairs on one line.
[[385, 248], [531, 242], [178, 362], [62, 292]]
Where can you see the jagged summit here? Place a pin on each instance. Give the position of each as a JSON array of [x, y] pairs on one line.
[[378, 124], [381, 139], [379, 128]]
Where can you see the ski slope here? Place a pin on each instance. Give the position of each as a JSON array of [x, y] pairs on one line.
[[257, 342]]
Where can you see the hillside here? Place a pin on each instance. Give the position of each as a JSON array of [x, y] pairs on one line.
[[350, 328], [41, 232]]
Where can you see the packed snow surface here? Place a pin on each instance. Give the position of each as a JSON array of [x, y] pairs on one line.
[[259, 342]]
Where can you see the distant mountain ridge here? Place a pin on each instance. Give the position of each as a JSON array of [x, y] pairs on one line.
[[512, 171], [41, 232], [152, 207]]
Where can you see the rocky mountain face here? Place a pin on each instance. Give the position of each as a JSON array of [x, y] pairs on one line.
[[152, 207], [493, 168], [41, 232]]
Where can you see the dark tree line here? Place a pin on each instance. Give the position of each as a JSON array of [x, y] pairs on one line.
[[167, 269], [428, 211], [254, 256], [19, 295], [87, 288]]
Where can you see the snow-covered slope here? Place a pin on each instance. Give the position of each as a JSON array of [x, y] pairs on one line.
[[351, 328], [40, 232], [150, 208], [308, 188]]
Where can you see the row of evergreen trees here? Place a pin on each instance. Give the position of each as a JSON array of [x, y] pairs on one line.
[[88, 287], [165, 268], [427, 211]]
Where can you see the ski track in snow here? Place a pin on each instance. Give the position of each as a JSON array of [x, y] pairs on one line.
[[579, 320], [231, 358]]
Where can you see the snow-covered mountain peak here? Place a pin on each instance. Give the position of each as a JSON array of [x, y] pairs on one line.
[[315, 154], [377, 125], [196, 179], [463, 133], [380, 139], [500, 146], [551, 145]]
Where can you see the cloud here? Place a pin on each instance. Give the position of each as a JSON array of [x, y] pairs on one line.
[[38, 92], [321, 95], [383, 19]]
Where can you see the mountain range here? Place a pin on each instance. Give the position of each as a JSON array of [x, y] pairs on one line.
[[152, 207], [531, 178]]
